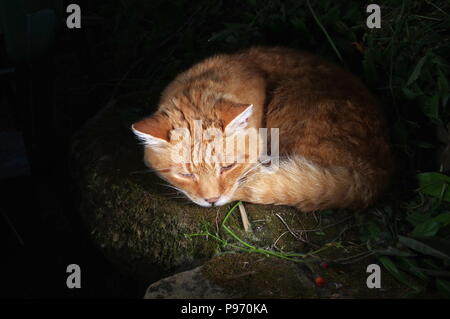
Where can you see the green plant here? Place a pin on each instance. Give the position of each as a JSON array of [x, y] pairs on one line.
[[240, 245]]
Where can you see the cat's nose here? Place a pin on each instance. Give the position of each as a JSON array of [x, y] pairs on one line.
[[212, 200]]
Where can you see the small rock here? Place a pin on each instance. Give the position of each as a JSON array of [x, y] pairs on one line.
[[189, 284]]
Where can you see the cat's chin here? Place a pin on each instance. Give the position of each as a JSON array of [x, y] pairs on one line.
[[204, 204], [200, 203], [222, 201]]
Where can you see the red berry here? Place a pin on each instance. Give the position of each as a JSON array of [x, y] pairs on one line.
[[324, 265], [320, 282]]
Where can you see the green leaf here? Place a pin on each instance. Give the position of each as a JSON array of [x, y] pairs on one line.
[[219, 36], [431, 263], [430, 107], [428, 246], [410, 265], [428, 228], [417, 70], [417, 218], [443, 219], [392, 251], [434, 184], [443, 286], [392, 268], [435, 272], [374, 230], [394, 271], [409, 94], [442, 82]]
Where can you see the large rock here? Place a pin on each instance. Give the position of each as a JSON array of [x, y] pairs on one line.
[[148, 231], [237, 276], [142, 225], [254, 276]]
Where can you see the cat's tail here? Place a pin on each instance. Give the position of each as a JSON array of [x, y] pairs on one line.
[[298, 182]]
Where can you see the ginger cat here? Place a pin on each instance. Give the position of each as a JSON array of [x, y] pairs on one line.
[[333, 147]]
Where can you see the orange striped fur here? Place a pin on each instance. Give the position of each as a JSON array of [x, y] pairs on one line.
[[333, 146]]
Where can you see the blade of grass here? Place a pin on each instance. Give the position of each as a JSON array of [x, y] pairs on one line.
[[324, 31]]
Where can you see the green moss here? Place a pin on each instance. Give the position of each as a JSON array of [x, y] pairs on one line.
[[250, 275], [255, 276]]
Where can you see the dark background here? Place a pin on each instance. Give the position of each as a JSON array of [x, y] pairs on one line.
[[126, 46], [47, 98]]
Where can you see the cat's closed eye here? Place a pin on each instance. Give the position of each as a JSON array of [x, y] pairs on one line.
[[186, 175], [226, 168]]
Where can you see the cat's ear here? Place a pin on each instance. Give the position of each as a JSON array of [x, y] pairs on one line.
[[237, 117], [152, 131]]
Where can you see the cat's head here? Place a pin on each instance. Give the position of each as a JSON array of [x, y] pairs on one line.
[[203, 154]]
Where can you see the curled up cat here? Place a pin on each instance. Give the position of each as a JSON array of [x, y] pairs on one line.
[[269, 125]]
